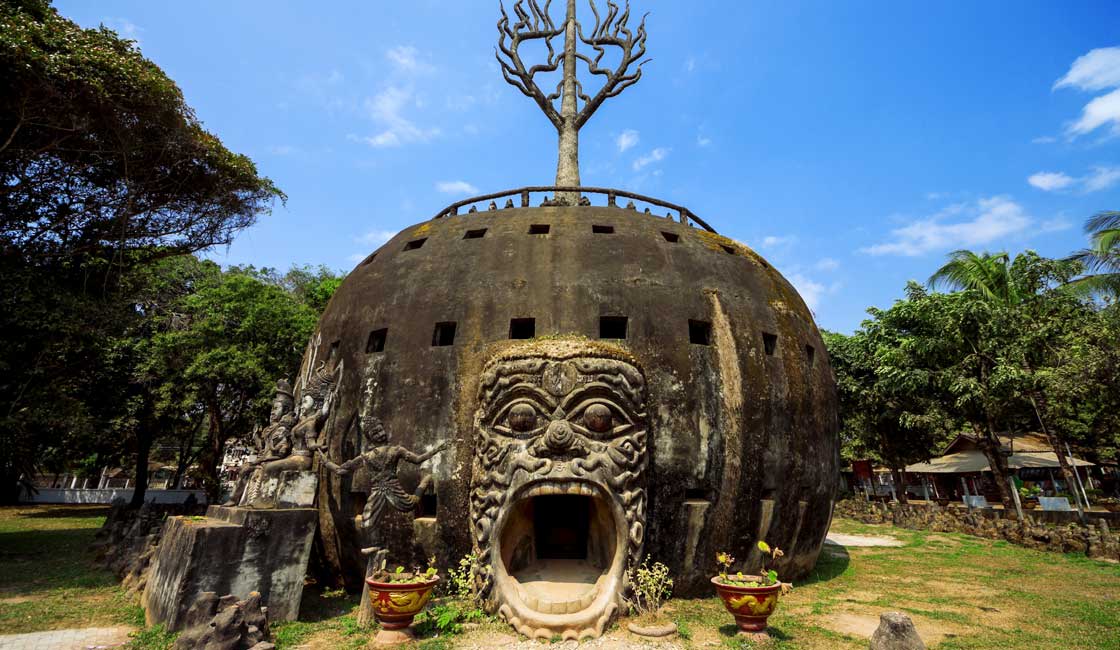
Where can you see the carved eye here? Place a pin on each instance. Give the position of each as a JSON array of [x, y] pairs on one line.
[[597, 417], [522, 418]]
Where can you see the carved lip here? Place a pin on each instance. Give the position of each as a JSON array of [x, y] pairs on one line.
[[553, 593]]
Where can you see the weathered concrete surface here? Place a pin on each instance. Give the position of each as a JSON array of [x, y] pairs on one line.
[[226, 623], [230, 551], [745, 422]]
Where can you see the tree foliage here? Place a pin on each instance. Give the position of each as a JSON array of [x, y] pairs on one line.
[[100, 154]]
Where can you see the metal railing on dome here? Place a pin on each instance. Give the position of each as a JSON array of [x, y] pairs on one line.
[[684, 215]]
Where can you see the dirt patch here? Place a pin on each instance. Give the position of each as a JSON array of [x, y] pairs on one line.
[[860, 541], [15, 600], [862, 626]]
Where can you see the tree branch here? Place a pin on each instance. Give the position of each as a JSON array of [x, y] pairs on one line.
[[533, 23], [612, 31]]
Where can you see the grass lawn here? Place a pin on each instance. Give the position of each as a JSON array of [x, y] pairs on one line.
[[962, 592], [48, 579]]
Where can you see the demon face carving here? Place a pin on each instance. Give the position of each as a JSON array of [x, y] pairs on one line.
[[558, 485]]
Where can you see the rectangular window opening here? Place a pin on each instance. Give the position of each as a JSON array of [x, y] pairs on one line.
[[475, 234], [428, 505], [810, 354], [602, 230], [769, 343], [699, 332], [522, 328], [376, 341], [698, 494], [539, 229], [368, 259], [415, 243], [444, 334], [728, 249], [671, 237], [612, 327]]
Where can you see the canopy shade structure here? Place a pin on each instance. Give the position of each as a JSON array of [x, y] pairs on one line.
[[973, 460]]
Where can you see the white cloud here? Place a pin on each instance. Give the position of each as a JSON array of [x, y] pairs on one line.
[[456, 187], [627, 139], [1097, 70], [355, 257], [1051, 181], [282, 150], [690, 64], [984, 222], [1044, 139], [375, 238], [811, 291], [703, 141], [1102, 178], [387, 109], [770, 241], [406, 58], [1099, 112], [657, 155], [826, 264]]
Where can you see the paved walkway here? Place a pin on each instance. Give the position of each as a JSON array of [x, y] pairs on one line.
[[78, 639]]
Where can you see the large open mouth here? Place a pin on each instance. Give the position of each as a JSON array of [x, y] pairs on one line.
[[561, 551]]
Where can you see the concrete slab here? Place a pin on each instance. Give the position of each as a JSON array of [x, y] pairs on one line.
[[90, 638], [840, 539]]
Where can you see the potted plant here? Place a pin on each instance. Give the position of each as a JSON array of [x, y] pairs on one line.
[[751, 599], [397, 597], [1030, 496], [650, 586]]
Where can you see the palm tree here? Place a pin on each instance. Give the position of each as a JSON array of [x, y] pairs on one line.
[[1101, 260], [987, 273]]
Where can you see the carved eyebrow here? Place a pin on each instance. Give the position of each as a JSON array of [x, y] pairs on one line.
[[600, 391]]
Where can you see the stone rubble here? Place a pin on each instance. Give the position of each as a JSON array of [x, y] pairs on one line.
[[1096, 541]]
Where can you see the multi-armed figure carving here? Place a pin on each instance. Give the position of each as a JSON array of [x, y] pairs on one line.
[[534, 23], [381, 460], [289, 441]]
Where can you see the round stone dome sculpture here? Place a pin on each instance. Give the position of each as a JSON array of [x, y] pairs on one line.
[[609, 385], [561, 391]]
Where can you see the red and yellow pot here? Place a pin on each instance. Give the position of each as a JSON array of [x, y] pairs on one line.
[[750, 606], [396, 603]]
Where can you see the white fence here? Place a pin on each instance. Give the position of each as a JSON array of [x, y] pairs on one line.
[[107, 495]]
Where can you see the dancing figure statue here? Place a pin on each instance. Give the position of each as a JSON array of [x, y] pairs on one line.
[[382, 460]]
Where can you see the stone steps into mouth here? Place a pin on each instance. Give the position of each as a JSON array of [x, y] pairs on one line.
[[559, 586]]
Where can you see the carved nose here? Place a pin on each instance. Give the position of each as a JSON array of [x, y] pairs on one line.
[[559, 436]]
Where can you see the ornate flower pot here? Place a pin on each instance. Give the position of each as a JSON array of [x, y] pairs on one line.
[[395, 604], [750, 606]]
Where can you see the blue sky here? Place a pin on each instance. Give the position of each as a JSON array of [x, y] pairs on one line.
[[853, 144]]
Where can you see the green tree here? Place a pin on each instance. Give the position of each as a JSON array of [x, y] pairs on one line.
[[103, 169], [233, 340], [100, 154], [1101, 259], [888, 409]]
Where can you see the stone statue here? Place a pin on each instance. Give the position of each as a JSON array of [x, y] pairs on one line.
[[291, 447], [381, 460], [561, 429], [273, 442]]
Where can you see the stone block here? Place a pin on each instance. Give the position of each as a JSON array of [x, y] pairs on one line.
[[230, 551], [896, 632]]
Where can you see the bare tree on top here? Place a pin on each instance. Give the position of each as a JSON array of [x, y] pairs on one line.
[[531, 23]]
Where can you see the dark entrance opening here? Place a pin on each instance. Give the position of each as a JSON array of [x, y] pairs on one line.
[[560, 525]]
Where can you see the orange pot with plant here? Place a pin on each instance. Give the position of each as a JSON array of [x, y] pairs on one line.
[[751, 599], [397, 597]]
